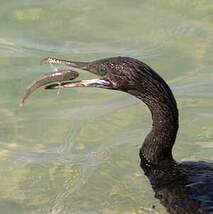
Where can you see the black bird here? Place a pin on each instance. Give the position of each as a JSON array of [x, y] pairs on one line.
[[183, 188]]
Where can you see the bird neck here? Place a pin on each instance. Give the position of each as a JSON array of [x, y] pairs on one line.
[[157, 146]]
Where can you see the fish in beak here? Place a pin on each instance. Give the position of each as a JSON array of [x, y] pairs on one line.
[[64, 78], [92, 67]]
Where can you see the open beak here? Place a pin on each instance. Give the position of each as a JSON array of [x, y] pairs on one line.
[[65, 78], [99, 82]]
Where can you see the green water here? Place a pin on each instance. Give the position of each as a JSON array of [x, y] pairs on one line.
[[78, 152]]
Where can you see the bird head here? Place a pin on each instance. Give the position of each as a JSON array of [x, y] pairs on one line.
[[116, 73], [120, 73]]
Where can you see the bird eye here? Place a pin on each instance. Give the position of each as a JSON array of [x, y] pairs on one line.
[[102, 70]]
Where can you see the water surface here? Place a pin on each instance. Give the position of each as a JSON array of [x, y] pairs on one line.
[[78, 152]]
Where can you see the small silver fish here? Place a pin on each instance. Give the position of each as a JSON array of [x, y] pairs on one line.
[[53, 77]]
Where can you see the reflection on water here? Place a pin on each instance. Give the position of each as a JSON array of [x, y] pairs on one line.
[[78, 152]]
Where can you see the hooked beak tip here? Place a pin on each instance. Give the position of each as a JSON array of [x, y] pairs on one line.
[[69, 63]]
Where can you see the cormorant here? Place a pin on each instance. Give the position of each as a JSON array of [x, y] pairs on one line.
[[183, 188]]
